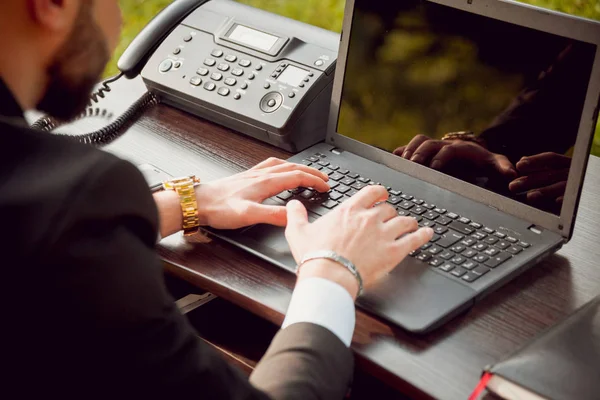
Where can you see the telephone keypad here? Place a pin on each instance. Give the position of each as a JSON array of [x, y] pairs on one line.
[[165, 66], [258, 67], [210, 86], [215, 76], [251, 76], [237, 96], [217, 53], [230, 81], [196, 81], [230, 58], [210, 62], [202, 71], [244, 86], [245, 63], [237, 72], [223, 91], [223, 67]]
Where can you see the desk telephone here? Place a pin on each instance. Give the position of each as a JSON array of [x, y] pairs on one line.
[[258, 73]]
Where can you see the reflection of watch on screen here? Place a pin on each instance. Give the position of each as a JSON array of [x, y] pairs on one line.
[[465, 136]]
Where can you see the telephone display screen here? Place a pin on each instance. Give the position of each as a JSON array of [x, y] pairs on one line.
[[252, 37], [292, 76]]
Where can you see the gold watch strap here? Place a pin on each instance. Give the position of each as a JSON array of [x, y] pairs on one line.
[[187, 197]]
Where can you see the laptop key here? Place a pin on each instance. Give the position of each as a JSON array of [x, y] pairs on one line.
[[352, 175], [452, 215], [488, 230], [423, 257], [464, 220], [481, 270], [480, 258], [307, 194], [417, 217], [480, 246], [414, 252], [524, 245], [435, 238], [342, 188], [447, 267], [514, 249], [322, 163], [458, 248], [449, 239], [406, 196], [490, 240], [469, 242], [312, 159], [330, 204], [443, 220], [498, 259], [333, 184], [428, 224], [393, 200], [306, 162], [470, 277], [476, 225], [458, 260], [358, 185], [492, 251], [469, 265], [407, 205], [327, 171], [430, 215], [402, 213], [336, 176], [479, 235], [428, 206], [435, 262], [418, 210], [446, 255], [440, 230], [395, 192], [286, 195], [469, 253], [347, 181], [461, 227], [512, 239], [426, 246], [458, 272], [440, 210], [418, 201], [500, 235], [352, 192], [335, 195], [435, 250], [343, 171], [334, 167], [363, 180], [502, 245]]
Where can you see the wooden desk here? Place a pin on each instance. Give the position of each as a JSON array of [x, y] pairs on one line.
[[445, 364]]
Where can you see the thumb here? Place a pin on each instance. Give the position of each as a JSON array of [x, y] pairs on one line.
[[296, 215], [265, 214]]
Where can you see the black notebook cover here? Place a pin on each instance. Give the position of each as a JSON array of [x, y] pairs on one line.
[[564, 362]]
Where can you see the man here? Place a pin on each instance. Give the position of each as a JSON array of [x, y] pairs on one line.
[[86, 313]]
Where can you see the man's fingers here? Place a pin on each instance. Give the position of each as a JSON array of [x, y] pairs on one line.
[[400, 150], [384, 212], [427, 151], [368, 196], [287, 166], [297, 216], [264, 214], [269, 162], [414, 145], [504, 167], [413, 241], [538, 180], [399, 226], [278, 182], [552, 192], [543, 161]]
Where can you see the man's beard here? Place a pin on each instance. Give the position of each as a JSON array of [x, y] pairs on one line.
[[76, 69]]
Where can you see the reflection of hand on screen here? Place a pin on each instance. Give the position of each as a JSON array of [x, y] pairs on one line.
[[444, 155], [543, 179]]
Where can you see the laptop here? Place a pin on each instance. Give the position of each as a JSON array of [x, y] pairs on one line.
[[498, 102]]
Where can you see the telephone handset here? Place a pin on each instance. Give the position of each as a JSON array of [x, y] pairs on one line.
[[258, 73]]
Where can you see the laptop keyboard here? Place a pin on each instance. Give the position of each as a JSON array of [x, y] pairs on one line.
[[460, 247]]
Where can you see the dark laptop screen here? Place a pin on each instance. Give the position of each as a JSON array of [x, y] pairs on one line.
[[507, 99]]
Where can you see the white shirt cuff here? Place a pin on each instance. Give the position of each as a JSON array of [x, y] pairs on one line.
[[324, 303]]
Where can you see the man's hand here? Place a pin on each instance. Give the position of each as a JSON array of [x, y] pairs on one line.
[[235, 202], [371, 236], [445, 154], [543, 179]]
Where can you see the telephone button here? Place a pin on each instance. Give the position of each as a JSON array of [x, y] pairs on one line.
[[301, 85], [188, 38], [271, 102], [215, 76], [177, 64], [210, 62], [237, 72], [267, 86], [230, 81], [237, 96], [244, 86], [259, 67], [319, 63], [216, 53], [223, 91], [223, 67], [209, 86], [196, 81], [165, 66], [292, 95], [245, 63], [202, 71], [230, 58], [177, 50], [251, 76], [311, 74]]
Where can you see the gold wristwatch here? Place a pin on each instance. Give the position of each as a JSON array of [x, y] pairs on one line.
[[466, 136], [185, 188]]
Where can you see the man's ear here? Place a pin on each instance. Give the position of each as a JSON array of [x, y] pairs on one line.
[[54, 15]]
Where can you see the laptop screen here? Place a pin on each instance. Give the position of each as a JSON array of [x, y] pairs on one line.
[[492, 103]]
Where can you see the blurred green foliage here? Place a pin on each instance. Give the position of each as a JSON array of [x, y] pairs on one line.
[[327, 14]]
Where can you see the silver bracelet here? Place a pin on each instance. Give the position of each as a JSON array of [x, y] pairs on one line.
[[333, 256]]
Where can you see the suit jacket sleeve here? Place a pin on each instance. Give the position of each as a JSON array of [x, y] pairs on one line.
[[128, 332]]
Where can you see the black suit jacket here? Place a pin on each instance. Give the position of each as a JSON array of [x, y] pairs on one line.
[[85, 310]]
